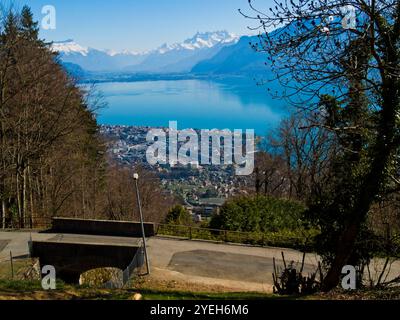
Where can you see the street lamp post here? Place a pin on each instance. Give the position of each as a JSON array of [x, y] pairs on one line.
[[136, 178]]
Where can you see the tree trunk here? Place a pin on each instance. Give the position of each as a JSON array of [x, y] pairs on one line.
[[386, 144], [25, 198], [2, 214], [19, 202], [31, 204], [344, 251], [5, 213]]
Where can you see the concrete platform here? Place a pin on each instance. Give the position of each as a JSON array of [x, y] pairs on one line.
[[94, 240], [72, 254]]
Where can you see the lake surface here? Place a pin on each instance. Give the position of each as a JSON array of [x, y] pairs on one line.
[[200, 104]]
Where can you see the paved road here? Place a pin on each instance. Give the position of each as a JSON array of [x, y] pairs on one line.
[[204, 262], [208, 262], [3, 244], [191, 258], [223, 265], [242, 267], [17, 243]]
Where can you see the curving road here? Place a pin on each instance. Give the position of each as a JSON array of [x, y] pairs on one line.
[[234, 266]]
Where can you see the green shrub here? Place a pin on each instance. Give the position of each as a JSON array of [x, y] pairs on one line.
[[259, 214], [179, 215], [260, 221]]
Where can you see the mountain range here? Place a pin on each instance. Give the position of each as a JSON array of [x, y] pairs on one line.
[[175, 58], [236, 59]]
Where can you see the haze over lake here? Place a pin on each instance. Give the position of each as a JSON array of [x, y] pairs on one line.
[[232, 103]]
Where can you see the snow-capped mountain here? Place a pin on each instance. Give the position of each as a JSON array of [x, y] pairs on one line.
[[178, 57], [201, 41], [182, 57], [239, 58], [69, 47], [93, 59]]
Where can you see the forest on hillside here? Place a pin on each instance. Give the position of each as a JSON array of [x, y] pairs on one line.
[[53, 160]]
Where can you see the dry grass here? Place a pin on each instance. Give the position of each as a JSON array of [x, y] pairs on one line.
[[364, 294], [20, 269]]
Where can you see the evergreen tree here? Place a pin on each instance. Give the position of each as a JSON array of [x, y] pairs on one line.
[[28, 27], [10, 32]]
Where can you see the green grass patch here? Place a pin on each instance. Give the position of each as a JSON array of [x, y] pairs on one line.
[[20, 285], [149, 294]]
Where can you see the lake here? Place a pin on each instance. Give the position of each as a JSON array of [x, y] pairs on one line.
[[233, 103]]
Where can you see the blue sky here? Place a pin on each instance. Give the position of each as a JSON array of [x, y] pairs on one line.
[[139, 24]]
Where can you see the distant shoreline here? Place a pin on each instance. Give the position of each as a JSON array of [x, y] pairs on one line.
[[114, 77]]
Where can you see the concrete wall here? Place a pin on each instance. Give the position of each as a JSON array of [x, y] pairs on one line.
[[72, 259], [101, 227]]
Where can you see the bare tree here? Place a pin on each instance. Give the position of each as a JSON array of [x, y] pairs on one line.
[[316, 53], [270, 175], [119, 202], [307, 151], [52, 156]]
